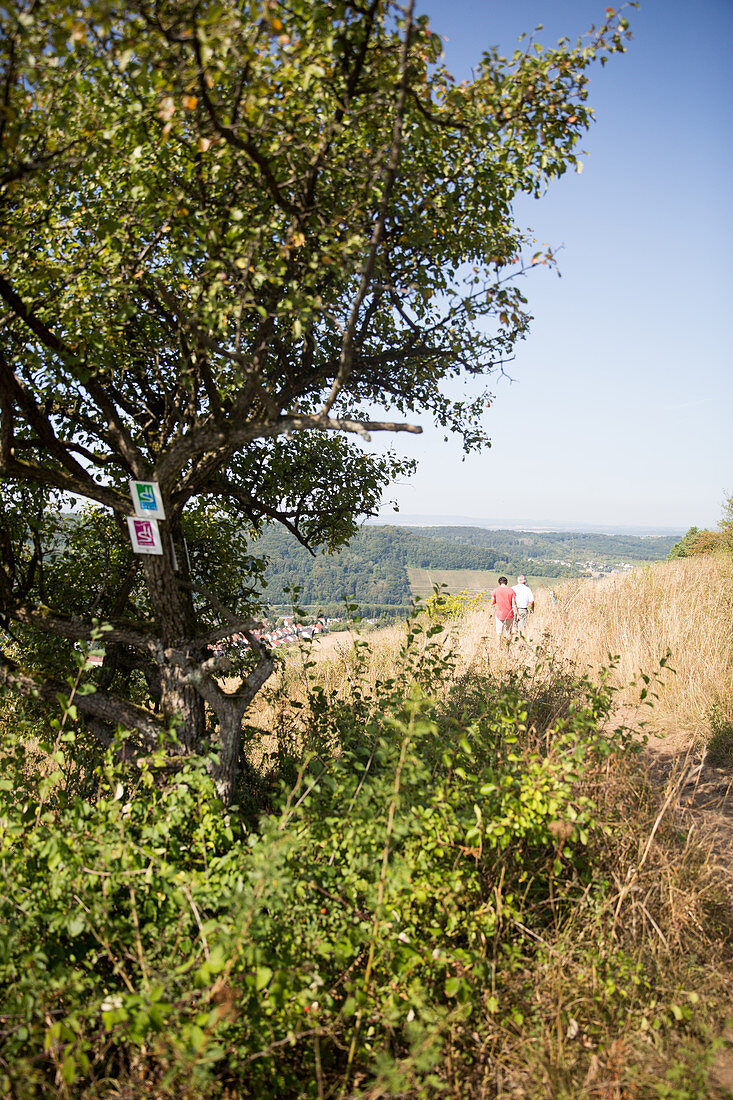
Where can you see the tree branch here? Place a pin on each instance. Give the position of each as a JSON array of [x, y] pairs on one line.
[[15, 390], [229, 490], [72, 626], [228, 706], [230, 135], [54, 343], [57, 479], [347, 347], [222, 441], [105, 708]]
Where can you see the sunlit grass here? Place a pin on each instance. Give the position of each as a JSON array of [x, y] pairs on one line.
[[684, 607]]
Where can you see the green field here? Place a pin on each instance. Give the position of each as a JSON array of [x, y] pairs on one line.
[[467, 580]]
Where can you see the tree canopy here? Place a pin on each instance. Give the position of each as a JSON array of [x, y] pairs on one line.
[[696, 542], [237, 240]]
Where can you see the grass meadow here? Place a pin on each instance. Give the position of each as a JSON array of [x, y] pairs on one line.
[[423, 581], [680, 611]]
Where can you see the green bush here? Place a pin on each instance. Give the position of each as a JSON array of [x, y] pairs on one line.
[[720, 742], [364, 938]]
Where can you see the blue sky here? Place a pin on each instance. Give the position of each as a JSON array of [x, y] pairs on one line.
[[620, 408]]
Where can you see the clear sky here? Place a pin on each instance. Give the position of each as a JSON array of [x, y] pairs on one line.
[[620, 412]]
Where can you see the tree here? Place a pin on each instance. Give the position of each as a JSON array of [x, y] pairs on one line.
[[726, 524], [706, 541], [685, 547], [237, 237]]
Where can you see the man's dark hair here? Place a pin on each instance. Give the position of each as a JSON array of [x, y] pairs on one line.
[[503, 580]]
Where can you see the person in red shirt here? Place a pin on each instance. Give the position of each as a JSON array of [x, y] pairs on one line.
[[505, 600]]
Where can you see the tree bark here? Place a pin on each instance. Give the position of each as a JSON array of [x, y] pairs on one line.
[[180, 702], [229, 709]]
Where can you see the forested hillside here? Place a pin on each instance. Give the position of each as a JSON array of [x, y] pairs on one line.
[[373, 568], [563, 545]]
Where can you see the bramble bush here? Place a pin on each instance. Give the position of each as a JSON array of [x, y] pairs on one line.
[[373, 933], [443, 605]]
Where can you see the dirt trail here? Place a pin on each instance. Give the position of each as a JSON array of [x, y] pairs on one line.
[[701, 799]]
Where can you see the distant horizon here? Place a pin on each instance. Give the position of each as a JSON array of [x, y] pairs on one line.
[[498, 524]]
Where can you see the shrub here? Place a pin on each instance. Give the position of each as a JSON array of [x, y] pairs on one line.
[[398, 923], [720, 743]]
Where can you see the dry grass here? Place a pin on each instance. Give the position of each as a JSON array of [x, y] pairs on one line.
[[684, 606]]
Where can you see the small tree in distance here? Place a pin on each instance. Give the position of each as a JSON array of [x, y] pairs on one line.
[[726, 523], [237, 237], [696, 541]]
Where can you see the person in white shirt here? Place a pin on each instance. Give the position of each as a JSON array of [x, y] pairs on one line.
[[525, 604]]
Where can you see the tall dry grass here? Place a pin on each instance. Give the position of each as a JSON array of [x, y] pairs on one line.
[[685, 606]]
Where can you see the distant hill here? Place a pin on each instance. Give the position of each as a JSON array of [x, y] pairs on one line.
[[514, 524], [373, 568], [563, 545]]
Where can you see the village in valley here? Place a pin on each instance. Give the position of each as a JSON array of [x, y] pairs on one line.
[[288, 632]]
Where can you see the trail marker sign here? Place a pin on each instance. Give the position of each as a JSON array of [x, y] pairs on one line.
[[144, 535], [146, 499]]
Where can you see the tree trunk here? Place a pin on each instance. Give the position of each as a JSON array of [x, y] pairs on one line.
[[226, 772], [184, 702], [229, 710], [176, 620]]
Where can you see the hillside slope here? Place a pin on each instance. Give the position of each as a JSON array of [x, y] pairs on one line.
[[562, 545], [373, 568], [634, 619], [684, 607]]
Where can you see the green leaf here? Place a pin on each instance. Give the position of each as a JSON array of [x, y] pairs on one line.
[[263, 976]]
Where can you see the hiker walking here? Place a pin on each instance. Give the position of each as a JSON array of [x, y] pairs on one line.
[[525, 604], [505, 601]]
